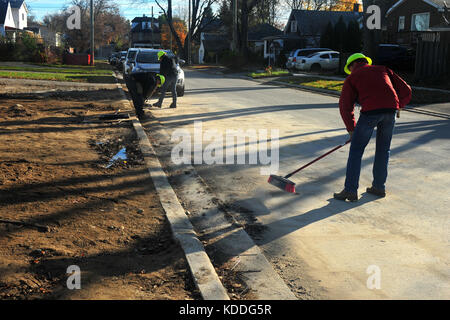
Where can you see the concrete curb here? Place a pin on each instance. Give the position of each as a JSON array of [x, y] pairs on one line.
[[212, 221], [204, 274]]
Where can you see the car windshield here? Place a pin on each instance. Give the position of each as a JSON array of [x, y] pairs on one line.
[[148, 57], [131, 54]]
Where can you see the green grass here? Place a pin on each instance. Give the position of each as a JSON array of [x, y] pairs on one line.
[[335, 85], [99, 65], [419, 96], [256, 75], [100, 73], [73, 77], [60, 69]]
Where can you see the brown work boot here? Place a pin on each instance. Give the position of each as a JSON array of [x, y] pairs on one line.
[[377, 192], [344, 195]]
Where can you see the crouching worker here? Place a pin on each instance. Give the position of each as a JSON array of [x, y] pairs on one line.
[[141, 86], [380, 92]]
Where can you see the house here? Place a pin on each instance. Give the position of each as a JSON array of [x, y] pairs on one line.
[[211, 46], [304, 27], [6, 17], [20, 13], [13, 16], [49, 37], [406, 19], [145, 33], [213, 40], [263, 38]]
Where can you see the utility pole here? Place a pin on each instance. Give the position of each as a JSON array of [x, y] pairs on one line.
[[92, 32], [151, 26], [189, 34], [234, 42]]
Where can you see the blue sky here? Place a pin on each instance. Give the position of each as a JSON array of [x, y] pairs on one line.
[[40, 8]]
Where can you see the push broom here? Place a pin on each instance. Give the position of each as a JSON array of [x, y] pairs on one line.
[[287, 185]]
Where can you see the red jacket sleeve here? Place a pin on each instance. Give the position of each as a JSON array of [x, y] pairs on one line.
[[347, 105], [401, 87]]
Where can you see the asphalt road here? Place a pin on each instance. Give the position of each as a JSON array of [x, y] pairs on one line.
[[391, 248]]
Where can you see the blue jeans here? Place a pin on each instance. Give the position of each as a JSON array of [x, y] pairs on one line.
[[171, 84], [361, 136]]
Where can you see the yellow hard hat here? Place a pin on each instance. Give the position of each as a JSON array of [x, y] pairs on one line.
[[354, 57], [160, 54], [162, 78]]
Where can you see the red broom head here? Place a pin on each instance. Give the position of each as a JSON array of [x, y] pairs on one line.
[[290, 188], [282, 183]]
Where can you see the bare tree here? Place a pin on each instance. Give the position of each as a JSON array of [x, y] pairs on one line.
[[110, 26], [295, 4], [199, 13]]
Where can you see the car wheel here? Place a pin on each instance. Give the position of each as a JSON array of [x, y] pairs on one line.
[[316, 67], [180, 91]]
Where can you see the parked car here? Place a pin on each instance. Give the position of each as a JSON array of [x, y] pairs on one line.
[[121, 59], [298, 53], [323, 60], [130, 60], [147, 61], [396, 57], [114, 58]]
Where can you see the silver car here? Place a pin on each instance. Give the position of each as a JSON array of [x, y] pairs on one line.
[[297, 54], [147, 61], [324, 60], [129, 62]]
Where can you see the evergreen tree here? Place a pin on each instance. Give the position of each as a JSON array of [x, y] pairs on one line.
[[353, 39], [339, 34], [326, 38]]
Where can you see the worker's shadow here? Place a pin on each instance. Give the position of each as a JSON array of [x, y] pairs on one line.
[[291, 224]]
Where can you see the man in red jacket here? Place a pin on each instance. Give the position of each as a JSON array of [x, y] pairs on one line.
[[380, 92]]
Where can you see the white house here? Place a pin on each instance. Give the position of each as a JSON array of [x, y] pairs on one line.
[[6, 17], [13, 15], [20, 13]]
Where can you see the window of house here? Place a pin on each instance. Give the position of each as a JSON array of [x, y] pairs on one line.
[[293, 26], [401, 23], [420, 21]]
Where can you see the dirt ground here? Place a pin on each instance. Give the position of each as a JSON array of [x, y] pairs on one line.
[[75, 209]]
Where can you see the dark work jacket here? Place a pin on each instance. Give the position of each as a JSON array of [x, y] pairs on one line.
[[168, 67]]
